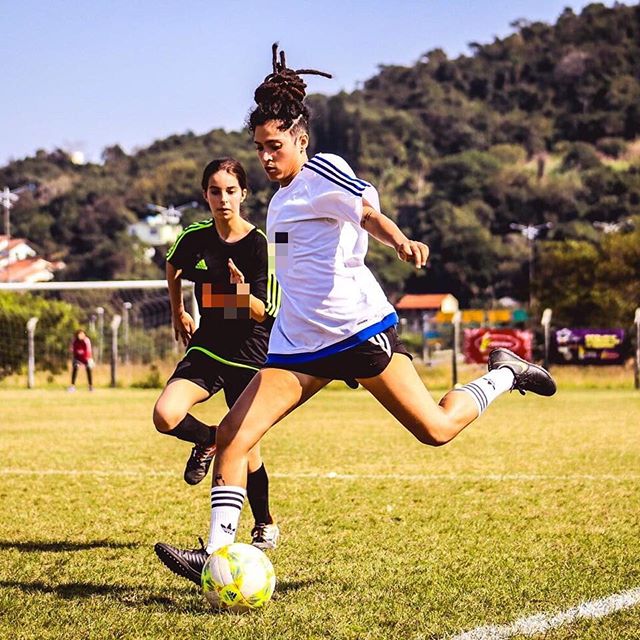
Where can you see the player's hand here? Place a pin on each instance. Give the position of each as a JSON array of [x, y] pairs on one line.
[[183, 327], [236, 276], [413, 251]]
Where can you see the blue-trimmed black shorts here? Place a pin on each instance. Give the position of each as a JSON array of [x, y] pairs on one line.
[[212, 376], [366, 360]]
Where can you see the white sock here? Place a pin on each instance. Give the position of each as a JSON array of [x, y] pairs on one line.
[[226, 504], [486, 389]]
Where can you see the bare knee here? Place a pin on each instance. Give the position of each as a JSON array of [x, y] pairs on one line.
[[165, 419], [432, 439], [230, 438], [436, 435]]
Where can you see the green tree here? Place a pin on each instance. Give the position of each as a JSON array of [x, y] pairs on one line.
[[56, 324]]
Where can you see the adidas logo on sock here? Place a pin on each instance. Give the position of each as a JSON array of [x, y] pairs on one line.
[[228, 529]]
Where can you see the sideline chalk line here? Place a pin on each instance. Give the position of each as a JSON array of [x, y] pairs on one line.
[[332, 475], [543, 623]]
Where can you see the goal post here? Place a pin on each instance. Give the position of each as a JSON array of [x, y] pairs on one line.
[[143, 342]]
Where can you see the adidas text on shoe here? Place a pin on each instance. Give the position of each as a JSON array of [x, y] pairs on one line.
[[198, 463], [528, 376], [265, 536], [187, 563]]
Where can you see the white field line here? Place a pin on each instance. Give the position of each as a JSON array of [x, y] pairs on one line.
[[543, 623], [332, 475]]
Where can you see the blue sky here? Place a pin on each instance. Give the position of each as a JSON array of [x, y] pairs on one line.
[[82, 75]]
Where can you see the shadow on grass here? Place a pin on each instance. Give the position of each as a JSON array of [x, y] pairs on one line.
[[134, 596], [137, 596], [284, 587], [32, 545]]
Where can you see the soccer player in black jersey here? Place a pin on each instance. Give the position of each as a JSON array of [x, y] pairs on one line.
[[227, 259]]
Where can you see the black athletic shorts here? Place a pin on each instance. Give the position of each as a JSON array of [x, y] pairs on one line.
[[366, 360], [212, 375]]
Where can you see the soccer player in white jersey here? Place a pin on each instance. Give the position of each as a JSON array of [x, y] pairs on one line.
[[334, 321]]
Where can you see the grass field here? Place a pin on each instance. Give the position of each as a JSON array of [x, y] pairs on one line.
[[534, 509]]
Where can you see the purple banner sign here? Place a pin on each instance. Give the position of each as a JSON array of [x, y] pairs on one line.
[[589, 346]]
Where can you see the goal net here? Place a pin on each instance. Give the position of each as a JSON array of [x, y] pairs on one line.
[[128, 323]]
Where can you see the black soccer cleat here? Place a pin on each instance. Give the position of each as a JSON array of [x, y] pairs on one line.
[[198, 463], [187, 563], [528, 376]]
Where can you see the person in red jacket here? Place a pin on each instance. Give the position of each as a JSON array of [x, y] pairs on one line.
[[81, 355]]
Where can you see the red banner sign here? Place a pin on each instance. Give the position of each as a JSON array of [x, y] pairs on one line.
[[478, 343]]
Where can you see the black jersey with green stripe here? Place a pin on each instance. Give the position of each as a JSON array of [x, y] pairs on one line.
[[226, 329]]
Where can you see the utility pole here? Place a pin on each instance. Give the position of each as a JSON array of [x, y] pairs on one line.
[[636, 321], [531, 232]]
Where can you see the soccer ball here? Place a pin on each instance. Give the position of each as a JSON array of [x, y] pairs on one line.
[[238, 577]]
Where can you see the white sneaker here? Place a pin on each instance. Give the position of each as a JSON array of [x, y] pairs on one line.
[[265, 536], [71, 389]]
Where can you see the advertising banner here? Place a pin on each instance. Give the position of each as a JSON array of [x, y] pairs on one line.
[[589, 346], [478, 343]]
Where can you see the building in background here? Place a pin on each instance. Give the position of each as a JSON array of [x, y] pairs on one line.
[[155, 231], [417, 309], [19, 262]]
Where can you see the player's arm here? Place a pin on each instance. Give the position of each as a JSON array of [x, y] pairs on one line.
[[89, 352], [257, 307], [385, 230], [183, 324]]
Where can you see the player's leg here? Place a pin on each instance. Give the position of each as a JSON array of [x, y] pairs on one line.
[[74, 374], [171, 416], [89, 369], [171, 411], [271, 395], [196, 378], [399, 389], [265, 532]]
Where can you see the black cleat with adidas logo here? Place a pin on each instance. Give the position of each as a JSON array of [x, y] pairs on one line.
[[528, 376], [187, 563]]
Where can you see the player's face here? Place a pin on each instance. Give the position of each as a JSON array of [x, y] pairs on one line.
[[224, 195], [281, 153]]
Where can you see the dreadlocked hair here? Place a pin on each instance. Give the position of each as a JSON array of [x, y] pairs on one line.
[[281, 95]]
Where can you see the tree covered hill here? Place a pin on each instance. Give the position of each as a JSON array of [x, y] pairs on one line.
[[541, 126]]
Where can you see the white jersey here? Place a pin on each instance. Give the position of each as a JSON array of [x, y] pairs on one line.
[[330, 300]]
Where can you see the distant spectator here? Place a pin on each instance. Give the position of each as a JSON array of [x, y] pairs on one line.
[[81, 355]]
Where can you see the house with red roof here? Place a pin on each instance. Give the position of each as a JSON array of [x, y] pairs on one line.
[[19, 262], [416, 308]]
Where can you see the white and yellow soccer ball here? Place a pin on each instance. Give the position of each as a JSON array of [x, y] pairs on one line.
[[238, 577]]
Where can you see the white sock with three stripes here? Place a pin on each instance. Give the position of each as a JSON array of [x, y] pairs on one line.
[[486, 389], [226, 505]]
